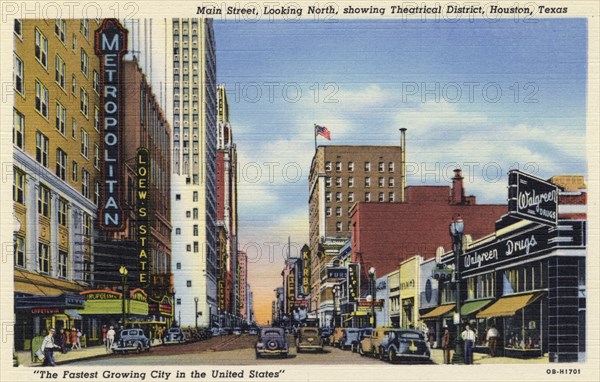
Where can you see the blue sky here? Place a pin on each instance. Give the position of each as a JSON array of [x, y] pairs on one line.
[[374, 74]]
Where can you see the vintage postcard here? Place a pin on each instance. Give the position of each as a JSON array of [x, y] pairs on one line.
[[312, 191]]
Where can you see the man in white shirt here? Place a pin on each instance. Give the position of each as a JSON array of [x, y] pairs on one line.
[[468, 336], [492, 339], [110, 338], [48, 349]]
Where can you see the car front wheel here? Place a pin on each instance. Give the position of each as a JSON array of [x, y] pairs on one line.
[[361, 351], [391, 356]]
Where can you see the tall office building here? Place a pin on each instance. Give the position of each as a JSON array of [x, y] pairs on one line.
[[56, 140], [341, 176], [193, 95]]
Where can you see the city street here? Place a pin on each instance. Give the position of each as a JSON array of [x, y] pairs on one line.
[[225, 350]]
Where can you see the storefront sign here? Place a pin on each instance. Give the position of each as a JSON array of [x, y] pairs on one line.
[[291, 291], [407, 284], [101, 295], [45, 310], [371, 303], [110, 45], [511, 247], [353, 282], [306, 271], [337, 273], [143, 215], [301, 304], [532, 198], [138, 295]]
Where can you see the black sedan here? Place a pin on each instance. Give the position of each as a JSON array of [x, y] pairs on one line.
[[405, 344]]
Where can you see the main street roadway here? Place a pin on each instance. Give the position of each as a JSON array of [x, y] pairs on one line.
[[225, 350]]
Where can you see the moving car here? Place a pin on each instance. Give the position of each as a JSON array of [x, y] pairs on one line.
[[349, 338], [371, 344], [131, 340], [362, 333], [175, 336], [336, 337], [405, 344], [272, 341], [309, 338]]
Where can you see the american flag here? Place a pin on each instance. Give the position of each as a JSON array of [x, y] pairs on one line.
[[322, 131]]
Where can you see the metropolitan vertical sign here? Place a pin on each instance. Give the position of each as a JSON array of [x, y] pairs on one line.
[[532, 198], [110, 45]]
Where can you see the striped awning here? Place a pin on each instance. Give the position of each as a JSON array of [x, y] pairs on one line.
[[438, 312], [509, 306]]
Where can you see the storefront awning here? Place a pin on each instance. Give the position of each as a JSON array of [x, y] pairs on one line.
[[468, 308], [73, 314], [508, 306], [439, 311]]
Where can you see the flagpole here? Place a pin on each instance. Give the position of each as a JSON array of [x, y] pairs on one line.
[[315, 133]]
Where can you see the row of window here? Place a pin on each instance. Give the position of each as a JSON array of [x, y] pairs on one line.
[[194, 230], [391, 197], [367, 181], [339, 226], [43, 258], [367, 166]]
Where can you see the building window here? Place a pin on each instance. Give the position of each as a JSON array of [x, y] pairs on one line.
[[85, 61], [87, 224], [178, 301], [18, 75], [178, 197], [351, 181], [338, 226], [44, 201], [60, 73], [41, 149], [381, 167], [367, 182], [391, 167], [177, 231], [338, 196], [96, 82], [195, 213], [84, 28], [189, 283], [60, 28], [195, 196], [20, 252], [338, 182], [188, 248], [85, 183], [41, 99], [392, 197], [74, 41], [338, 211], [196, 247], [61, 119], [338, 166], [367, 196], [327, 211], [61, 164], [96, 156], [351, 197], [85, 143], [381, 197], [391, 182], [18, 186], [188, 214], [97, 193], [43, 258], [18, 129], [63, 259], [328, 196], [41, 48], [178, 265], [74, 171], [97, 118], [381, 181], [328, 166], [367, 166], [84, 102], [350, 166], [18, 28], [328, 181], [74, 85], [195, 229]]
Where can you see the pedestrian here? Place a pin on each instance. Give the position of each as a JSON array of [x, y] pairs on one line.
[[492, 339], [48, 347], [110, 338], [68, 340], [79, 335], [431, 335], [446, 345], [104, 331], [468, 336], [62, 340]]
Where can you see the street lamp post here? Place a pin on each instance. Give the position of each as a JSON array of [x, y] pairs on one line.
[[196, 303], [457, 228], [123, 271], [373, 294]]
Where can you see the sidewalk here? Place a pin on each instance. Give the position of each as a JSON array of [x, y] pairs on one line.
[[72, 355], [437, 356]]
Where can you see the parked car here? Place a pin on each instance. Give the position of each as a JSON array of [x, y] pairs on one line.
[[370, 345], [325, 333], [309, 338], [362, 333], [131, 340], [405, 344], [252, 331], [175, 336], [336, 337], [349, 337], [216, 331], [237, 331], [272, 341]]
